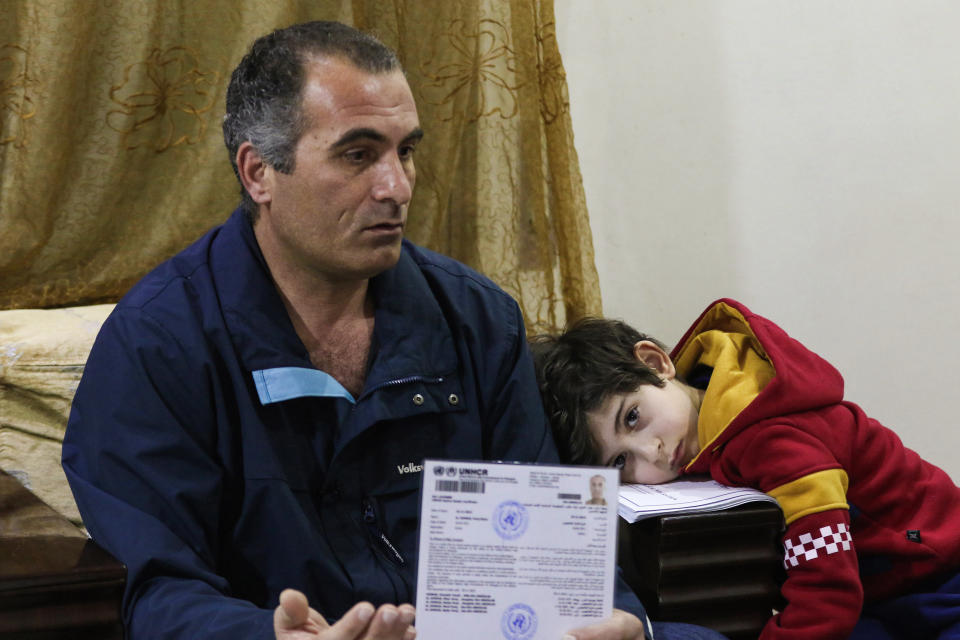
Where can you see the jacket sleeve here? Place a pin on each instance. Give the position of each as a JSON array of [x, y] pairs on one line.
[[822, 590], [140, 455], [516, 428]]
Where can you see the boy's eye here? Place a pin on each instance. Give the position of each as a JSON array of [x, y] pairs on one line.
[[620, 461], [631, 418]]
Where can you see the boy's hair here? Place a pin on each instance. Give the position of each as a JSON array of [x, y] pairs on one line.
[[578, 370]]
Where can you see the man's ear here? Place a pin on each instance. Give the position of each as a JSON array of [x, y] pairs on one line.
[[654, 357], [255, 174]]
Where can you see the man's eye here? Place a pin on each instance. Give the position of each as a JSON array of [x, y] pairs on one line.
[[620, 461], [407, 151], [357, 156]]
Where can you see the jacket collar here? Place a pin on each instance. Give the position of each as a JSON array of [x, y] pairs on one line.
[[411, 334]]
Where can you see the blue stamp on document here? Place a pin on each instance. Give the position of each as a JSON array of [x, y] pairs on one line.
[[519, 622], [510, 520]]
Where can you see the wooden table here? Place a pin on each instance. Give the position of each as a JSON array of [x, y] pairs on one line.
[[55, 583], [719, 569]]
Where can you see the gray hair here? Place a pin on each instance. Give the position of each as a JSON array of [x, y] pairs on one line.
[[265, 92]]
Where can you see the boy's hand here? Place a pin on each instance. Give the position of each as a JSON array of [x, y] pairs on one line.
[[620, 626]]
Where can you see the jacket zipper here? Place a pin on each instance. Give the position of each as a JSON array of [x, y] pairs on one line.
[[370, 517], [369, 513], [398, 381]]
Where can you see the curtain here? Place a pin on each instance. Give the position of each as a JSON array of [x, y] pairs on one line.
[[112, 160]]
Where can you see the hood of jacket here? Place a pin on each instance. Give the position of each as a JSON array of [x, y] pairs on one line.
[[758, 372]]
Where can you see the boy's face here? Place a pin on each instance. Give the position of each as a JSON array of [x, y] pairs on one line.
[[651, 433]]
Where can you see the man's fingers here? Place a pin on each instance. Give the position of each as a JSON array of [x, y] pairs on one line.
[[408, 614], [392, 623], [353, 623], [620, 625], [294, 617], [362, 621], [293, 610]]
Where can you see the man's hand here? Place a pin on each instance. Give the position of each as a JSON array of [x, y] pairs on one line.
[[620, 626], [293, 619]]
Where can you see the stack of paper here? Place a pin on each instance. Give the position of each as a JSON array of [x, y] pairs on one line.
[[639, 501]]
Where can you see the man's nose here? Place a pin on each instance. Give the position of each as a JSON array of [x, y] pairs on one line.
[[392, 182]]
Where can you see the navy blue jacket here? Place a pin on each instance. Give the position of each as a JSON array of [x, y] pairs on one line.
[[208, 454]]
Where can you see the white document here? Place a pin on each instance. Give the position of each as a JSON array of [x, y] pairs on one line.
[[514, 551], [689, 495]]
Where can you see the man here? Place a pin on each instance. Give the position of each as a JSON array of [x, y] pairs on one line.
[[597, 485], [250, 424]]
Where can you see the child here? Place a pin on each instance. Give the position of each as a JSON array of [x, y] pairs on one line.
[[872, 545]]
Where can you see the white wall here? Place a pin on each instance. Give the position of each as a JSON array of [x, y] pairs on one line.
[[802, 157]]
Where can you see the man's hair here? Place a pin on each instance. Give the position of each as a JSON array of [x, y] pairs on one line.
[[578, 370], [264, 98]]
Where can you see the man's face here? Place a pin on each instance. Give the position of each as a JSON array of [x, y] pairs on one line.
[[596, 487], [649, 434], [340, 214]]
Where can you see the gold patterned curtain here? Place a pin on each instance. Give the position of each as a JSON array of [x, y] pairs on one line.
[[111, 155]]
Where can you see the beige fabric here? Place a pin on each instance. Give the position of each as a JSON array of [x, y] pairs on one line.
[[42, 354], [111, 156], [24, 517]]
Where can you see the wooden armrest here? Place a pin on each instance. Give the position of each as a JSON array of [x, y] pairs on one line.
[[54, 581]]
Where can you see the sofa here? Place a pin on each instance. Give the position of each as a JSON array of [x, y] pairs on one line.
[[42, 355]]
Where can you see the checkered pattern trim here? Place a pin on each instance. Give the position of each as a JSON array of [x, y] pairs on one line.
[[807, 547]]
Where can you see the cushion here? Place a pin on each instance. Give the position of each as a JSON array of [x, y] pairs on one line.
[[42, 355]]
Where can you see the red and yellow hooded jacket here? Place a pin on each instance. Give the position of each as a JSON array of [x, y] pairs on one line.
[[866, 517]]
